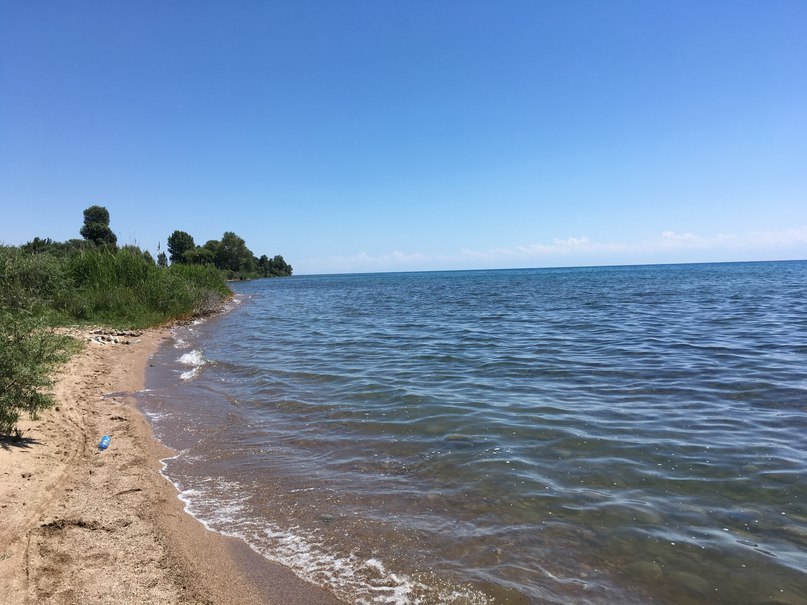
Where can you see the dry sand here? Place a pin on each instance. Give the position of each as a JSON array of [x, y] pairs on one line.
[[78, 525]]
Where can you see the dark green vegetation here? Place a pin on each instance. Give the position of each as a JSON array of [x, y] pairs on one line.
[[45, 284], [28, 354], [96, 227], [230, 255]]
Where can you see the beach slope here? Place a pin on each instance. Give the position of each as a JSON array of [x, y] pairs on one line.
[[80, 525]]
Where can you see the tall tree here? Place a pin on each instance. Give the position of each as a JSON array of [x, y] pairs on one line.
[[179, 243], [233, 254], [213, 246], [96, 227]]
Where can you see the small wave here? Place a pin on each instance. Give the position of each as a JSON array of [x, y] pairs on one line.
[[190, 374], [195, 360], [365, 581]]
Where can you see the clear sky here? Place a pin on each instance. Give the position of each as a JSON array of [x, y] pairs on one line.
[[412, 134]]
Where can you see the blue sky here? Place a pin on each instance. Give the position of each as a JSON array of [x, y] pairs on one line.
[[409, 135]]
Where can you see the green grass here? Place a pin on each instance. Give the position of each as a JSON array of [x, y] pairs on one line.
[[118, 289]]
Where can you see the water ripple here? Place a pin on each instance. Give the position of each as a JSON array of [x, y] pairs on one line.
[[632, 435]]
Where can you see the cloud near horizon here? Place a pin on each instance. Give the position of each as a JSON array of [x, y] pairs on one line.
[[668, 246]]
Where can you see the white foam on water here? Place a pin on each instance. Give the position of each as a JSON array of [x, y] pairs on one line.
[[364, 581], [195, 360], [190, 374]]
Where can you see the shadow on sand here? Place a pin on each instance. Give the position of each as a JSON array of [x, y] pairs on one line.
[[17, 441]]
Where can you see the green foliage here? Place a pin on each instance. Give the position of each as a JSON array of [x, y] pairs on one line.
[[275, 267], [46, 282], [213, 246], [96, 227], [123, 288], [28, 354], [198, 256], [96, 214], [230, 255], [47, 245], [179, 243], [27, 280], [126, 289], [233, 254]]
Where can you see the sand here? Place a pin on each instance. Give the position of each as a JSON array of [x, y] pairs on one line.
[[78, 525]]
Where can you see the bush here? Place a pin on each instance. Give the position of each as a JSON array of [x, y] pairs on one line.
[[30, 280], [28, 354]]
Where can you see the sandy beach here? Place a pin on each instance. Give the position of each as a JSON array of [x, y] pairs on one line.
[[79, 525]]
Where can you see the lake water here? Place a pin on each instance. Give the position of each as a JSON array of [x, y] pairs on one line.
[[593, 435]]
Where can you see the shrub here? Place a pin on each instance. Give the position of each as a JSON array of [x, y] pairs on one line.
[[30, 280], [28, 354]]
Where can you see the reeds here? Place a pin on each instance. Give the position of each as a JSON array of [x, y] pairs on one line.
[[121, 289]]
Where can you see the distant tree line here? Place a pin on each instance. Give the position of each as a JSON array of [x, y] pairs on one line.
[[229, 254]]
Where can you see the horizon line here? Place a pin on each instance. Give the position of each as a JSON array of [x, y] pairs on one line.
[[556, 267]]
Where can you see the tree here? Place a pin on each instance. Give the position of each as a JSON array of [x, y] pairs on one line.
[[274, 267], [213, 246], [179, 242], [162, 260], [233, 254], [263, 265], [96, 227], [280, 266], [198, 256]]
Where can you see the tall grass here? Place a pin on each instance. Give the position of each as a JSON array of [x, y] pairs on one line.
[[31, 281], [125, 289], [120, 289]]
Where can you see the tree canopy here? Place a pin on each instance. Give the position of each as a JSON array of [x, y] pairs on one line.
[[96, 227], [274, 267], [233, 254], [179, 242], [229, 254]]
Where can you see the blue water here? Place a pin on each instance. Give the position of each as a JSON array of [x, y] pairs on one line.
[[589, 435]]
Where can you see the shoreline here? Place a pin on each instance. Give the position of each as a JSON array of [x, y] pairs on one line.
[[79, 525]]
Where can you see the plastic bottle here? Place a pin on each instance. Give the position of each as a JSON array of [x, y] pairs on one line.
[[104, 442]]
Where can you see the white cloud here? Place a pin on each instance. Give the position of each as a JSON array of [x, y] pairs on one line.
[[364, 262], [572, 241], [755, 240], [661, 248], [667, 246], [679, 237]]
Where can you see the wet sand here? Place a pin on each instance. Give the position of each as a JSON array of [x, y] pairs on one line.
[[78, 525]]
